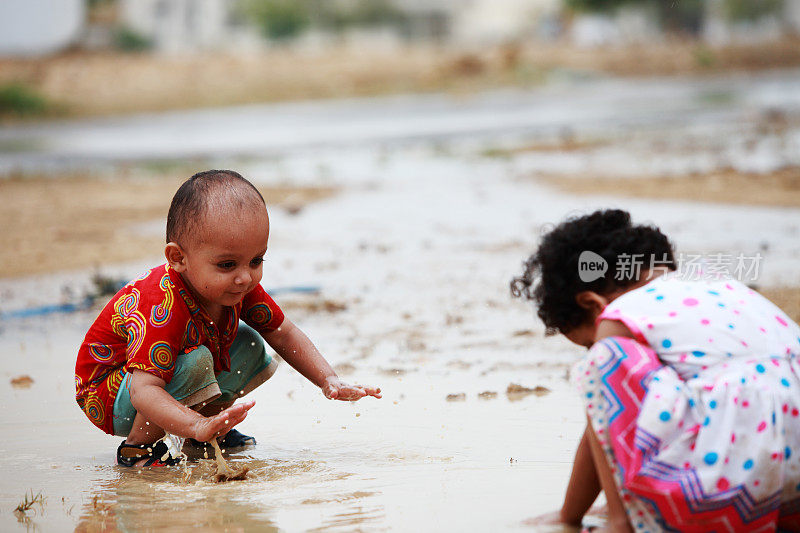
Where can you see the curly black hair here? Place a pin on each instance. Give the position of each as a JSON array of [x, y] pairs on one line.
[[552, 275]]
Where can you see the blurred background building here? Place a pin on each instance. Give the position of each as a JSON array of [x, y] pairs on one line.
[[179, 26]]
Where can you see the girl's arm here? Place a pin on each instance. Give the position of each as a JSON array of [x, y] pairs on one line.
[[583, 487], [156, 405], [298, 350]]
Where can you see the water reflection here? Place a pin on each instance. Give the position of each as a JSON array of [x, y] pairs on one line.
[[186, 498]]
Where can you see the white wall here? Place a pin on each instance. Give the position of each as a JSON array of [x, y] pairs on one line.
[[497, 21], [183, 25], [37, 27]]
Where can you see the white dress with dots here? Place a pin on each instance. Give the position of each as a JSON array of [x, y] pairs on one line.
[[699, 414]]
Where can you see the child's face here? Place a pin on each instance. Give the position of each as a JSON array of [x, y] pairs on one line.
[[593, 304], [222, 260], [583, 335]]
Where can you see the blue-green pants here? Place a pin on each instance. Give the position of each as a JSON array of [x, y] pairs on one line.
[[194, 381]]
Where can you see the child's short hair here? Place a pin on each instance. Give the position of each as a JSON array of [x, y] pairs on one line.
[[552, 274], [196, 194]]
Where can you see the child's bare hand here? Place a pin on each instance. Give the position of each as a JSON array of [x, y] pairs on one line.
[[548, 519], [218, 425], [336, 389]]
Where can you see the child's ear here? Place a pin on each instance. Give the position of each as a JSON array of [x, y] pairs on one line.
[[175, 256], [591, 301]]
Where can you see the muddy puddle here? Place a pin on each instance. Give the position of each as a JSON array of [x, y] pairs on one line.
[[411, 461], [412, 260]]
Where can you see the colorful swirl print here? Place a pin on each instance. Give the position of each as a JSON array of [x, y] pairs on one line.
[[123, 309], [161, 313], [192, 337], [101, 353], [78, 384], [135, 328], [190, 303], [115, 380], [161, 356], [94, 410], [259, 315], [118, 325], [128, 304]]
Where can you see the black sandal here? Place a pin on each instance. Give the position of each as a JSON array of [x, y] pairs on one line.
[[130, 454], [232, 441]]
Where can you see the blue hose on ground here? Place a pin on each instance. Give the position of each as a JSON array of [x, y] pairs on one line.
[[43, 310]]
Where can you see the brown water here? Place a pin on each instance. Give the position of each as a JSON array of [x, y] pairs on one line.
[[416, 251], [224, 471], [411, 461]]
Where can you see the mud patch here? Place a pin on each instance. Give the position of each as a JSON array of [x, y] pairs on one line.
[[344, 369], [725, 186], [393, 371], [516, 392], [314, 305], [72, 222], [22, 382], [358, 495], [787, 298]]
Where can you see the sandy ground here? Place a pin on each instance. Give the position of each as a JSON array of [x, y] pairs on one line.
[[412, 257], [780, 188], [77, 84], [77, 222]]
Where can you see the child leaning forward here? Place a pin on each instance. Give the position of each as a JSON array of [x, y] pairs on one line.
[[168, 352], [691, 386]]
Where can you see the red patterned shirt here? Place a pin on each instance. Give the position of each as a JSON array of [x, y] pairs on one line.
[[146, 326]]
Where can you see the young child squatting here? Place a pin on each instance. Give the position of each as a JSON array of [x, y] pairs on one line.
[[168, 352], [691, 385]]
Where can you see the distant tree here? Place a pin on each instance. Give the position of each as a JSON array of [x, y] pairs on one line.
[[339, 15], [600, 6], [682, 16], [284, 19], [20, 100], [278, 19], [129, 40], [742, 10], [674, 15]]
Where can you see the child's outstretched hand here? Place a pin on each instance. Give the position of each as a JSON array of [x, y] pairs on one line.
[[336, 389], [217, 425]]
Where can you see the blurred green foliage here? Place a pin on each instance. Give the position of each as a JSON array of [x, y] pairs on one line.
[[704, 57], [599, 5], [744, 10], [284, 19], [683, 15], [339, 16], [19, 100], [128, 40], [278, 19]]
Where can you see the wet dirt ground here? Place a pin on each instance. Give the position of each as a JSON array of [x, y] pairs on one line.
[[412, 259]]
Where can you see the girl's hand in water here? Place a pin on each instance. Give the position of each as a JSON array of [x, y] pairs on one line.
[[336, 389], [548, 519], [557, 518], [211, 427]]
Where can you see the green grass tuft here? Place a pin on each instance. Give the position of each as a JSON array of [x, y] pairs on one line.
[[19, 100]]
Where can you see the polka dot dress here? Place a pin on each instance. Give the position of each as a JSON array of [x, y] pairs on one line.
[[699, 413]]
